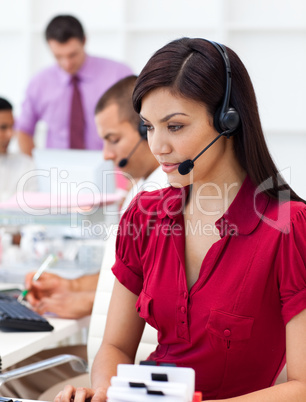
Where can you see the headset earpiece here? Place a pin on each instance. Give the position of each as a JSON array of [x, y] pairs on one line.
[[226, 118], [228, 122], [142, 130]]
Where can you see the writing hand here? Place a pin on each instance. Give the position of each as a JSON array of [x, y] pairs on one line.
[[46, 285], [72, 305]]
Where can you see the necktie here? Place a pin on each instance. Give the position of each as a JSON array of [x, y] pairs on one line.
[[77, 121]]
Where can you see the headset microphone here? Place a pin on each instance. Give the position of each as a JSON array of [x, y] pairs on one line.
[[142, 129], [124, 161], [187, 166]]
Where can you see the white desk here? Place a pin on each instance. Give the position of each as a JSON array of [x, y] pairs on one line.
[[17, 346]]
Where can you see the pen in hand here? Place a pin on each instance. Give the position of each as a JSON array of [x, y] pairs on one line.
[[46, 264]]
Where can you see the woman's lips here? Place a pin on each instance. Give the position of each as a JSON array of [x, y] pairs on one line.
[[169, 167]]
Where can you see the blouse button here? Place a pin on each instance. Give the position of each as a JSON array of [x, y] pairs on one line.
[[185, 295], [183, 310], [227, 332]]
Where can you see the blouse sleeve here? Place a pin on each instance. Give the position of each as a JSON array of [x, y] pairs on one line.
[[128, 267], [292, 267]]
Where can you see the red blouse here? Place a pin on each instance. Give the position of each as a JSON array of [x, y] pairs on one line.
[[230, 327]]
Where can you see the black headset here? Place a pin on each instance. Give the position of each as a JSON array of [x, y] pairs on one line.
[[226, 118]]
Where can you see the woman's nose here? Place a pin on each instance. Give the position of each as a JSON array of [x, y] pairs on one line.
[[158, 143]]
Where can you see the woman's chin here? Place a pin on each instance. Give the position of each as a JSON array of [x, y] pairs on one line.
[[178, 182]]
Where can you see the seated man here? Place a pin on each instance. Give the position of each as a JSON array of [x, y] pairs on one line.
[[12, 165], [119, 126]]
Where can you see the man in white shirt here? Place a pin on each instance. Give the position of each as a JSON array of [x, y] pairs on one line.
[[125, 144], [12, 165]]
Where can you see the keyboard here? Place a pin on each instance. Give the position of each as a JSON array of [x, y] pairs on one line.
[[17, 316]]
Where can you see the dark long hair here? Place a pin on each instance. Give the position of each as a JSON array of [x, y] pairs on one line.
[[194, 69]]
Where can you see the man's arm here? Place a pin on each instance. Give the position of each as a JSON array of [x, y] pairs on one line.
[[72, 305], [49, 284], [26, 143], [85, 283]]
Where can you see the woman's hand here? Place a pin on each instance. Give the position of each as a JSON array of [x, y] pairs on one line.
[[81, 394]]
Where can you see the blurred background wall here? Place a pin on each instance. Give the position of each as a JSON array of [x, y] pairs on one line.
[[268, 35]]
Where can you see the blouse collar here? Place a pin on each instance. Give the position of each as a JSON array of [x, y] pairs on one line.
[[242, 217]]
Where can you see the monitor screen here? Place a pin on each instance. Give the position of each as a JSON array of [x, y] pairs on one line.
[[68, 171]]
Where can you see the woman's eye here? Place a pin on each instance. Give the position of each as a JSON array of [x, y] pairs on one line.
[[175, 127], [148, 127]]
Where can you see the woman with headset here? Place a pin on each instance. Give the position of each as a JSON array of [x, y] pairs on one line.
[[217, 261]]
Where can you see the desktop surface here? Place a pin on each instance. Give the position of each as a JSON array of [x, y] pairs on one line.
[[17, 346]]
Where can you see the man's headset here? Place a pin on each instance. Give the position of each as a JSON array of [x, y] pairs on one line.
[[226, 118], [143, 136]]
